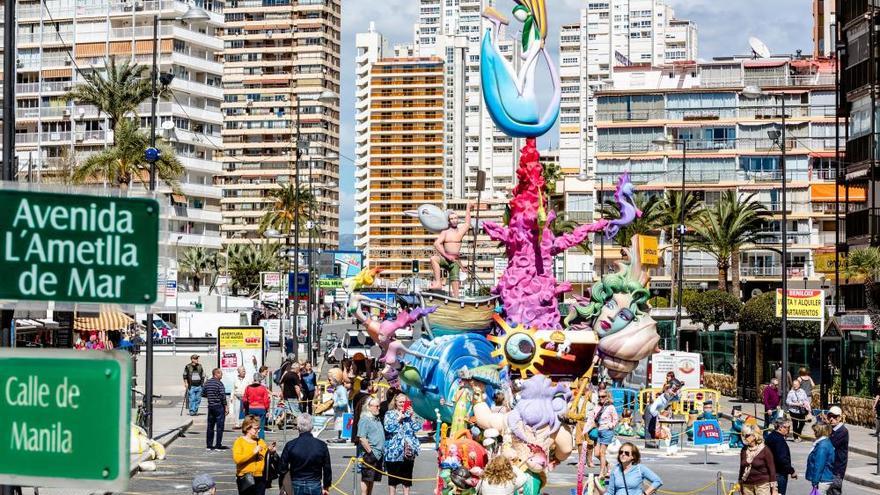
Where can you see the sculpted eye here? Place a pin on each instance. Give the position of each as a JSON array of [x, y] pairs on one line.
[[612, 304], [626, 315], [520, 348]]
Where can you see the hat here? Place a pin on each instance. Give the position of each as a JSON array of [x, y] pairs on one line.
[[835, 411], [194, 356], [257, 377], [202, 483]]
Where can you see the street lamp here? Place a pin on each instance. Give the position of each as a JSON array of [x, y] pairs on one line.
[[778, 137], [682, 229]]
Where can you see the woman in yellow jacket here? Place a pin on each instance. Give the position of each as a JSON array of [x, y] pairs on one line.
[[249, 453]]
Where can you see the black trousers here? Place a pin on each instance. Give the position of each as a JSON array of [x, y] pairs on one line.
[[797, 422], [216, 421]]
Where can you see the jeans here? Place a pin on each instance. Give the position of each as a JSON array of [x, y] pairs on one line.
[[195, 399], [306, 487], [216, 421], [260, 413], [781, 483]]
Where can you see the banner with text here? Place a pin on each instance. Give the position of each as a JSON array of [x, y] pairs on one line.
[[239, 346], [803, 304]]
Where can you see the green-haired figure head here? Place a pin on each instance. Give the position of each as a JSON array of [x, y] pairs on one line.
[[615, 302]]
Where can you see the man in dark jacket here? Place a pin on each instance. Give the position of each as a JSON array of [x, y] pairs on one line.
[[307, 459], [840, 441], [215, 391], [775, 441]]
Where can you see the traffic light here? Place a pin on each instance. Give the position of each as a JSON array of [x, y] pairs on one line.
[[415, 266]]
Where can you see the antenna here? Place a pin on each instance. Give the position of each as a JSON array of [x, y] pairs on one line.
[[759, 49]]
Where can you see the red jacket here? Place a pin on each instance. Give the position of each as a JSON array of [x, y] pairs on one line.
[[256, 397]]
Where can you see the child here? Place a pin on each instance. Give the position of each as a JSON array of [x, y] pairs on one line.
[[736, 426], [624, 427], [708, 413]]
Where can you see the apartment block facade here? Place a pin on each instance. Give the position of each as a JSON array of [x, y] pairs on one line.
[[280, 56], [59, 41], [611, 34], [728, 149]]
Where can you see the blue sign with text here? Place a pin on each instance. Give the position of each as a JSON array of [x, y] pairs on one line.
[[707, 432]]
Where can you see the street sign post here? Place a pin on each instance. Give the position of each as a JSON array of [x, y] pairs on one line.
[[80, 248], [64, 419]]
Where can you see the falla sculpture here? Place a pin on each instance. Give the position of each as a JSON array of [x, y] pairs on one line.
[[514, 340]]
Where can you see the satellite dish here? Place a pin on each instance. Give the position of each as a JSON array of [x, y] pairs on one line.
[[759, 48], [168, 125], [756, 292]]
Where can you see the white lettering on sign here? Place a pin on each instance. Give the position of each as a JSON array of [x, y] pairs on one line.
[[31, 244], [30, 392]]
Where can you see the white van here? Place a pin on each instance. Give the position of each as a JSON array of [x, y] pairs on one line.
[[687, 366]]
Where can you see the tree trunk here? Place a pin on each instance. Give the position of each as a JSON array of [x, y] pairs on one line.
[[723, 267], [196, 282], [734, 275]]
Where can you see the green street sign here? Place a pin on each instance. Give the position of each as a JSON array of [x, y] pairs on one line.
[[72, 247], [64, 419], [329, 283]]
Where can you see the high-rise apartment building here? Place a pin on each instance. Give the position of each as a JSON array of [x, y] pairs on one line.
[[59, 41], [280, 56], [402, 125], [824, 17], [858, 22], [611, 34], [728, 149]]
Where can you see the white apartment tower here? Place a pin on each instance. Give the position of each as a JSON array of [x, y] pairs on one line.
[[453, 31], [611, 33], [59, 40]]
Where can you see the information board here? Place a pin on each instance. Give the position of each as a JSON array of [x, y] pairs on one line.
[[239, 346], [707, 432]]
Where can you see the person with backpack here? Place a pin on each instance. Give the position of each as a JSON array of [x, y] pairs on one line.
[[193, 377]]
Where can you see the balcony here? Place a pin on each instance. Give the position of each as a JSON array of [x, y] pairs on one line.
[[863, 223]]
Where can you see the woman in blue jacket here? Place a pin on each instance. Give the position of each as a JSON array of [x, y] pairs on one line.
[[820, 459], [629, 477]]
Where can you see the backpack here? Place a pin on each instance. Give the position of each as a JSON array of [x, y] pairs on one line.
[[279, 373]]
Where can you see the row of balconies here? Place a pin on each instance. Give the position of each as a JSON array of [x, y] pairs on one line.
[[761, 113]]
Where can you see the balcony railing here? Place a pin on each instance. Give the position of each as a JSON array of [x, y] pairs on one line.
[[863, 223]]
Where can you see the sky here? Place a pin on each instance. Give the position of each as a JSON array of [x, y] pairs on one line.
[[723, 29]]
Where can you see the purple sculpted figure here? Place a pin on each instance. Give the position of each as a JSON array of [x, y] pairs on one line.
[[541, 403]]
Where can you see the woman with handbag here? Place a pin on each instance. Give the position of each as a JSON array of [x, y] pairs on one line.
[[402, 445], [757, 471], [629, 477], [605, 421], [250, 452], [798, 407]]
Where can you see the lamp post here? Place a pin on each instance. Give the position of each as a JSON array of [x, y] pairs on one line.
[[753, 93], [681, 229], [192, 14]]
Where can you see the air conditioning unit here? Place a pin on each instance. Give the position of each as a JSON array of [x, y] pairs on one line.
[[66, 112], [67, 61], [139, 4], [80, 136]]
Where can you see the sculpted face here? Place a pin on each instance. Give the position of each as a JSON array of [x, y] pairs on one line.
[[453, 220], [615, 315]]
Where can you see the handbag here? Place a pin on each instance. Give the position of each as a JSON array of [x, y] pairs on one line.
[[815, 491], [270, 469], [245, 482], [408, 453]]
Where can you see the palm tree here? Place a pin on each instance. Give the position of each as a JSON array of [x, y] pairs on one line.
[[724, 229], [125, 163], [283, 211], [246, 261], [196, 262], [863, 265], [116, 91], [649, 223], [565, 225], [671, 206]]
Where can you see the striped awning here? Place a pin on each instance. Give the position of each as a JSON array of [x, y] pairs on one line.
[[107, 319]]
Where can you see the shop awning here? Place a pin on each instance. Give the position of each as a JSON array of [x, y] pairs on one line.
[[825, 193], [107, 319]]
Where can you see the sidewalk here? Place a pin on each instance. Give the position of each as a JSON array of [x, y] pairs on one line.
[[863, 447], [167, 425]]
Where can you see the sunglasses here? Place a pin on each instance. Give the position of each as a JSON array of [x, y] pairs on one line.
[[625, 452]]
